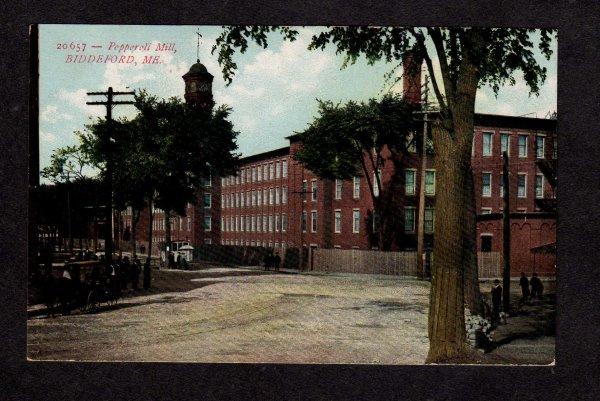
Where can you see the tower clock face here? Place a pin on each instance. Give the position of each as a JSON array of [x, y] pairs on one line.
[[193, 86]]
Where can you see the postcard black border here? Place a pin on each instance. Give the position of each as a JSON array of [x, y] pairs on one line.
[[576, 371]]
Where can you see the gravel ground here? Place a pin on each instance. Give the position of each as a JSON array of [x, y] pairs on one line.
[[250, 316], [241, 315]]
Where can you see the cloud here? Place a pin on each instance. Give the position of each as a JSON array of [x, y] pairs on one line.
[[51, 115], [47, 137]]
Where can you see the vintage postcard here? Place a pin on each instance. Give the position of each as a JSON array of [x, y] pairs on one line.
[[288, 194]]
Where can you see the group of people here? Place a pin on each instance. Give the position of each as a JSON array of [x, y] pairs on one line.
[[272, 260], [536, 290], [70, 291], [179, 263], [530, 289]]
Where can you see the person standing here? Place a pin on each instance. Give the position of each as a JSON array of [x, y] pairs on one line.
[[147, 274], [276, 261], [524, 284], [135, 273], [496, 300], [537, 288]]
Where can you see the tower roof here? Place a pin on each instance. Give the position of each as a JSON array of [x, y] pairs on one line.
[[198, 69]]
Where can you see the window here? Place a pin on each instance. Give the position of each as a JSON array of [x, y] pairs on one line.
[[338, 189], [265, 222], [313, 190], [207, 200], [277, 223], [540, 142], [259, 223], [207, 223], [208, 181], [376, 182], [277, 170], [284, 222], [253, 198], [243, 176], [486, 210], [502, 185], [189, 223], [356, 221], [356, 188], [486, 185], [259, 197], [258, 173], [284, 195], [505, 143], [487, 144], [265, 196], [242, 221], [247, 223], [242, 199], [284, 168], [303, 192], [313, 221], [409, 182], [430, 182], [409, 219], [522, 185], [271, 171], [222, 223], [237, 178], [237, 200], [277, 195], [338, 221], [253, 174], [223, 181], [522, 145], [428, 220], [486, 243], [304, 221], [271, 193], [253, 223], [539, 186]]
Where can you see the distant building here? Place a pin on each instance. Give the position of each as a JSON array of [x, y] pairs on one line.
[[275, 202]]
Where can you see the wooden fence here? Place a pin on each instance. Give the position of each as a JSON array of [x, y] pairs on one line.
[[365, 262]]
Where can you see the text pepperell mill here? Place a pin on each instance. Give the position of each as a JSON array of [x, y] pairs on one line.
[[124, 53]]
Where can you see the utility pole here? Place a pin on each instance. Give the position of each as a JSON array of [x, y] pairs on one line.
[[505, 236], [107, 142], [421, 214]]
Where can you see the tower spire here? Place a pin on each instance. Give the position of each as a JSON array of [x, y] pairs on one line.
[[199, 35]]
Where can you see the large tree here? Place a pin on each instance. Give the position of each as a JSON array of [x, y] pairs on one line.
[[360, 139], [468, 58]]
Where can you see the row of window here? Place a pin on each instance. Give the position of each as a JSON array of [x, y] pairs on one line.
[[409, 220], [264, 197], [522, 144], [255, 223], [263, 172], [486, 185], [177, 223], [245, 242]]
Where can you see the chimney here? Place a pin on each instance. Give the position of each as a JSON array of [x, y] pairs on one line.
[[411, 78]]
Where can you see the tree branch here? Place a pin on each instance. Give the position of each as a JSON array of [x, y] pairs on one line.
[[436, 37], [423, 50]]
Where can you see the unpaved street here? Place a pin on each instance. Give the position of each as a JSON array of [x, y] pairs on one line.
[[240, 315]]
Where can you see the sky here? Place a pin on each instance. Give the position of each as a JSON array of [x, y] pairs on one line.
[[273, 93]]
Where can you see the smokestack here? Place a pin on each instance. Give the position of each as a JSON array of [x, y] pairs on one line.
[[411, 78]]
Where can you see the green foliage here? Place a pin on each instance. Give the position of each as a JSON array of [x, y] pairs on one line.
[[66, 164], [335, 143], [164, 153]]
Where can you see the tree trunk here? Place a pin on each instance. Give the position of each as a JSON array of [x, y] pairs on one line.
[[167, 232], [446, 325], [135, 216], [150, 221], [472, 291]]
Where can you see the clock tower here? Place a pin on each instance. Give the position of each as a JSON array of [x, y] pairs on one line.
[[198, 87]]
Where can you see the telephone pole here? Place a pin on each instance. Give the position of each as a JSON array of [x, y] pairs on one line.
[[107, 142], [505, 236], [421, 214]]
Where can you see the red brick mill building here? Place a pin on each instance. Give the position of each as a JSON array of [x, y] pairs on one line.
[[275, 202]]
